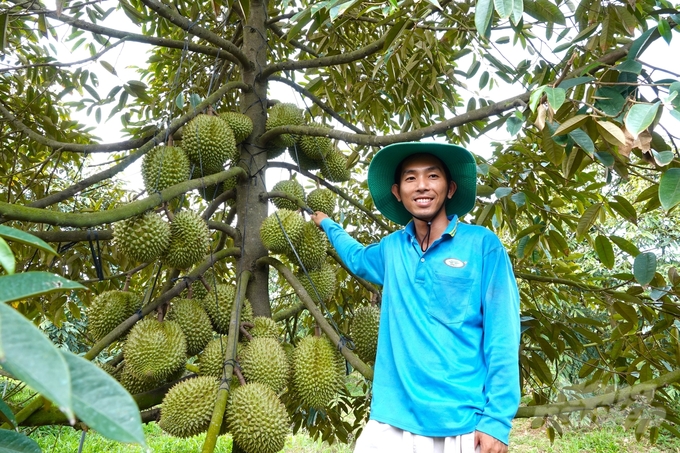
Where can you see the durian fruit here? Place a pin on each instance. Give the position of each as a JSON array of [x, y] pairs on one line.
[[290, 187], [164, 166], [321, 200], [113, 371], [301, 159], [311, 248], [155, 350], [264, 327], [257, 420], [135, 385], [272, 235], [209, 193], [209, 143], [189, 240], [198, 290], [364, 332], [263, 360], [240, 124], [318, 371], [283, 114], [188, 406], [334, 167], [210, 361], [194, 321], [109, 309], [142, 238], [315, 148], [218, 304], [323, 279]]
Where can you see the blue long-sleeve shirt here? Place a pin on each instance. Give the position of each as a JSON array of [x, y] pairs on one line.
[[447, 361]]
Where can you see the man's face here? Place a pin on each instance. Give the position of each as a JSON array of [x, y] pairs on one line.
[[422, 186]]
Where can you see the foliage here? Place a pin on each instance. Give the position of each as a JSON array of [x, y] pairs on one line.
[[584, 194]]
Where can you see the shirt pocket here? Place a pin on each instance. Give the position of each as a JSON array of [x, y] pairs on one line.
[[451, 298]]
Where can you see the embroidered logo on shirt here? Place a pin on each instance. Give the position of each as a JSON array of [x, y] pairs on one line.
[[452, 262]]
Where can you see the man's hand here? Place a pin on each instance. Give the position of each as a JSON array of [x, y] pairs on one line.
[[489, 444], [317, 217]]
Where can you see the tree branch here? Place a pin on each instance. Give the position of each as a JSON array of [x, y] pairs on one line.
[[288, 312], [221, 198], [293, 42], [72, 235], [318, 102], [227, 229], [231, 52]]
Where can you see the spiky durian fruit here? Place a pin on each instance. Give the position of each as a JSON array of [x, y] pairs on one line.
[[311, 248], [263, 360], [109, 309], [113, 371], [364, 332], [315, 148], [209, 143], [271, 231], [301, 159], [218, 304], [240, 124], [155, 350], [135, 385], [211, 360], [321, 200], [257, 420], [198, 290], [189, 240], [283, 114], [188, 406], [264, 327], [290, 187], [334, 167], [318, 371], [194, 321], [323, 280], [142, 238], [164, 166]]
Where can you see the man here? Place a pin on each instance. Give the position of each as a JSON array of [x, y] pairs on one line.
[[446, 372]]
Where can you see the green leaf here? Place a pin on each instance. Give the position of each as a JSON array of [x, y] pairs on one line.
[[605, 251], [519, 198], [625, 245], [632, 66], [606, 158], [517, 11], [179, 101], [640, 116], [483, 12], [6, 414], [483, 80], [669, 188], [23, 237], [6, 257], [665, 30], [394, 32], [4, 22], [14, 442], [503, 8], [583, 140], [556, 97], [513, 125], [535, 97], [570, 83], [624, 208], [644, 267], [194, 100], [559, 241], [571, 124], [102, 403], [611, 132], [609, 100], [503, 192], [587, 220], [29, 284], [663, 158], [675, 114], [30, 356], [640, 44], [476, 64]]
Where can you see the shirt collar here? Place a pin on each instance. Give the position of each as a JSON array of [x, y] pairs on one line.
[[410, 228]]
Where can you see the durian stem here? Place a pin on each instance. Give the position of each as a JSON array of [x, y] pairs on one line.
[[288, 312], [264, 196], [126, 286], [217, 202], [245, 332], [168, 212], [239, 375], [228, 369], [206, 285], [352, 358]]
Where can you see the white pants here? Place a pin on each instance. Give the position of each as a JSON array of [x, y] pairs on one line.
[[383, 438]]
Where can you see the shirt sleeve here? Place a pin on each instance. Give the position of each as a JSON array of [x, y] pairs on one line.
[[365, 261], [501, 324]]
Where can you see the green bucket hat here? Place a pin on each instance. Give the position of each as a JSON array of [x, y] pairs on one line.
[[460, 162]]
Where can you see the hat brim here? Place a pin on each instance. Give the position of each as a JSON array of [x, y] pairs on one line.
[[460, 162]]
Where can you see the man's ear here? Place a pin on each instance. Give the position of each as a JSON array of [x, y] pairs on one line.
[[395, 192], [452, 189]]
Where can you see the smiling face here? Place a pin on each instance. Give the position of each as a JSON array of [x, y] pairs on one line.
[[422, 186]]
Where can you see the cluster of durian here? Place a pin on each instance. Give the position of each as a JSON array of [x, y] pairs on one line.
[[180, 243], [310, 153]]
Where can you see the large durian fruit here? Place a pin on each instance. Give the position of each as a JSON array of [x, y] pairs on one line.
[[240, 124], [334, 166], [209, 143], [198, 290], [273, 227], [188, 406], [322, 285], [257, 420], [194, 321], [283, 114], [364, 332], [164, 166], [155, 350], [301, 159], [289, 187], [109, 309], [315, 148], [142, 238], [135, 385], [263, 360], [321, 200], [318, 371], [189, 240], [211, 360], [264, 326], [311, 248], [218, 304]]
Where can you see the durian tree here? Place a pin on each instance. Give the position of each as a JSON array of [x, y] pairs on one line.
[[205, 258]]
